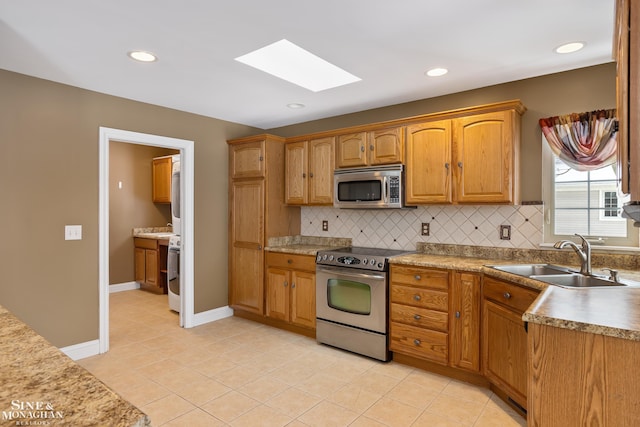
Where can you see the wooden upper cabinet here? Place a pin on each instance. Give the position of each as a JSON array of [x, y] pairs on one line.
[[247, 160], [309, 172], [351, 150], [378, 147], [296, 164], [386, 146], [485, 157], [161, 179], [428, 174], [321, 166], [472, 159]]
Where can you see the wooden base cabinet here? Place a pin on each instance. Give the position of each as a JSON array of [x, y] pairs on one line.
[[464, 348], [504, 339], [291, 288], [151, 264], [582, 379]]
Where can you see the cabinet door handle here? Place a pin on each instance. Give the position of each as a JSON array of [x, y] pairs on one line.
[[259, 247], [362, 148], [446, 166], [460, 165], [261, 158], [417, 316], [304, 175], [293, 285], [286, 284], [371, 147], [289, 261], [417, 341], [506, 295], [417, 277], [457, 314], [417, 297], [310, 174]]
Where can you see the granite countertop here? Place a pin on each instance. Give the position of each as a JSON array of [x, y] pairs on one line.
[[611, 311], [41, 384], [158, 233], [305, 245]]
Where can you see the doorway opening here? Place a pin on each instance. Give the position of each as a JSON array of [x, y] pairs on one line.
[[186, 149]]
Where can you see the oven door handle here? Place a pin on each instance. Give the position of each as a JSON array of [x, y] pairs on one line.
[[341, 271], [385, 196]]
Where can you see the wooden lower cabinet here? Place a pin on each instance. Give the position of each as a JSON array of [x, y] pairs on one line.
[[291, 289], [582, 379], [150, 263], [464, 348], [419, 320], [504, 338]]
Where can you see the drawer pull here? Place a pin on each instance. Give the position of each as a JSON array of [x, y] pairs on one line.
[[417, 316], [506, 295], [417, 342], [417, 297], [417, 277], [289, 261]]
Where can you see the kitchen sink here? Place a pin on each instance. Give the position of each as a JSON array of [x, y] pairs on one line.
[[529, 270], [577, 281]]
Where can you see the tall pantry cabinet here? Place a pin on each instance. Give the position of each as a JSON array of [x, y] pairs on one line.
[[256, 212]]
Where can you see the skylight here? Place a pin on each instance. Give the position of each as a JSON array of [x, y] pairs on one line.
[[292, 63]]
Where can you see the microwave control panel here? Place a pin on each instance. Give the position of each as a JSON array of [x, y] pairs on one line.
[[394, 189]]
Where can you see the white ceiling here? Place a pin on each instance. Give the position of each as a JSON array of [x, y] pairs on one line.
[[388, 44]]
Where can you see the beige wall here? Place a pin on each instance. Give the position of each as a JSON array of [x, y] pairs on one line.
[[572, 91], [49, 178], [131, 206]]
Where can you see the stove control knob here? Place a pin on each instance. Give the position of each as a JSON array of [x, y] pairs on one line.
[[372, 262], [319, 258], [364, 261], [324, 257], [330, 257], [380, 265]]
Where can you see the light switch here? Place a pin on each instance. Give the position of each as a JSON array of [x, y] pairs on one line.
[[72, 232]]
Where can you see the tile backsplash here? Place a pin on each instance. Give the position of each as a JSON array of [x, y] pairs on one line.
[[401, 228]]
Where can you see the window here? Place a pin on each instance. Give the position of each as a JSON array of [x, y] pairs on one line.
[[586, 203]]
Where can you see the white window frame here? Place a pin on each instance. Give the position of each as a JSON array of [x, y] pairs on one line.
[[548, 173]]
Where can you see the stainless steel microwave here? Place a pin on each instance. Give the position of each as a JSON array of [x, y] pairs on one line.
[[379, 187]]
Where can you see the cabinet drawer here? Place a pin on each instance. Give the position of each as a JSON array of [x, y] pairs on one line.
[[139, 242], [423, 277], [296, 262], [418, 297], [423, 343], [420, 317], [512, 296]]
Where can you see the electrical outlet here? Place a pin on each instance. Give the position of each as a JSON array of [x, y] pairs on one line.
[[425, 229], [72, 232], [325, 225], [505, 232]]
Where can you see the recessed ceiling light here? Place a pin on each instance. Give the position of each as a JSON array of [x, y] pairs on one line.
[[569, 47], [142, 56], [437, 72], [295, 105], [292, 63]]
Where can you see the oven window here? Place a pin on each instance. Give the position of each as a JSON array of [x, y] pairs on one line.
[[352, 297], [353, 191]]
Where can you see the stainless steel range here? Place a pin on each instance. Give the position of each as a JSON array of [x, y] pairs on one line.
[[352, 290]]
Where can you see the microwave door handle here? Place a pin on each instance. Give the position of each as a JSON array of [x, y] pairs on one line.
[[386, 189]]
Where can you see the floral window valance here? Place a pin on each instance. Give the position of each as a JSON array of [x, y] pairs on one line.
[[584, 141]]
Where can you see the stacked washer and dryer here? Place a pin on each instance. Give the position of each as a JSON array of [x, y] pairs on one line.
[[173, 261]]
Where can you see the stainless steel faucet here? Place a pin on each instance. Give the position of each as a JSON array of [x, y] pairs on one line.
[[584, 252]]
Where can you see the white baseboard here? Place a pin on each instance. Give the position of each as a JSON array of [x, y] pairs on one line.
[[212, 315], [128, 286], [82, 350]]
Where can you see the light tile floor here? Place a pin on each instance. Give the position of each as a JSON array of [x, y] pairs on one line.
[[235, 372]]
